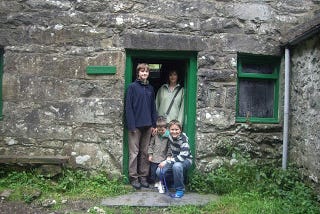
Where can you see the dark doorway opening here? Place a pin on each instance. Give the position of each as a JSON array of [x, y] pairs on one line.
[[159, 70]]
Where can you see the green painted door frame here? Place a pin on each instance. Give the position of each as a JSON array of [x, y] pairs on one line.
[[190, 88]]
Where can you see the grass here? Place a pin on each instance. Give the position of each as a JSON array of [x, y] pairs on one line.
[[71, 184], [243, 188], [251, 188]]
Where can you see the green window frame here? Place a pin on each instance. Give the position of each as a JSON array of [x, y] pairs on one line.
[[1, 72], [257, 88]]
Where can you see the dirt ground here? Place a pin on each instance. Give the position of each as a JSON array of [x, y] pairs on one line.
[[9, 207], [144, 198]]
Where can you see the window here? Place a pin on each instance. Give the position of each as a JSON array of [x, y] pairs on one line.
[[1, 70], [257, 88]]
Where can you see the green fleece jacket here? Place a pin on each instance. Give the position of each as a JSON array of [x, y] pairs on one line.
[[163, 100]]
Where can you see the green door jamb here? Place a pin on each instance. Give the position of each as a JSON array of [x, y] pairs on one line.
[[190, 92], [190, 102], [128, 78]]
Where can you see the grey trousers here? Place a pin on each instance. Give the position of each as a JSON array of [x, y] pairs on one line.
[[138, 153]]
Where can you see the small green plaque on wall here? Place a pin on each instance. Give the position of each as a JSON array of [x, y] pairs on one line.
[[101, 69]]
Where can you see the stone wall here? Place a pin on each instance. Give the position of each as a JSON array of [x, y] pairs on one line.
[[305, 107], [52, 107]]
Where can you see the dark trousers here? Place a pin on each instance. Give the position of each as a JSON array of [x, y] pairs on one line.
[[153, 175]]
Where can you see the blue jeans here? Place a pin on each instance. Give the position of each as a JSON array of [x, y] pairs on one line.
[[178, 170]]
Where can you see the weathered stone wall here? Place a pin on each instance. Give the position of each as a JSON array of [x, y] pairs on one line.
[[52, 107], [305, 109]]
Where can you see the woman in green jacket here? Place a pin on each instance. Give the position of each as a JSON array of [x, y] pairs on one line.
[[165, 95]]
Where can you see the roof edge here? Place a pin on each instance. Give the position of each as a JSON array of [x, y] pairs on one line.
[[302, 32]]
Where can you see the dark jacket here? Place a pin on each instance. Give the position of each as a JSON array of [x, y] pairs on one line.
[[140, 106]]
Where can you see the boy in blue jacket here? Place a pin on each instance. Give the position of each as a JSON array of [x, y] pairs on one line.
[[140, 112]]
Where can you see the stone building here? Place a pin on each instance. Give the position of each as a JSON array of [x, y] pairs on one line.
[[66, 64], [303, 43]]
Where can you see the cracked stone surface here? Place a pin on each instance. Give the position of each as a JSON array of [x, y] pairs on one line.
[[150, 199]]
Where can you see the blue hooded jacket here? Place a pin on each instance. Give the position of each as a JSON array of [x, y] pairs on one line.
[[140, 105]]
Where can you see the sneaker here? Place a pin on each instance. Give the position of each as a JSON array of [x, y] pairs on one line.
[[179, 194], [136, 184], [156, 184], [161, 188], [144, 183]]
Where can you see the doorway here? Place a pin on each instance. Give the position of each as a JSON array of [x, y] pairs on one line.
[[159, 71], [160, 62]]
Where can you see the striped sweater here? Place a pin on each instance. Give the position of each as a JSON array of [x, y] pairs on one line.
[[180, 148]]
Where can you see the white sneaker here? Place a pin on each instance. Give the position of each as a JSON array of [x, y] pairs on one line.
[[161, 188], [156, 184]]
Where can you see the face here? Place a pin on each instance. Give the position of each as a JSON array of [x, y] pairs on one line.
[[143, 74], [161, 130], [173, 77], [175, 131]]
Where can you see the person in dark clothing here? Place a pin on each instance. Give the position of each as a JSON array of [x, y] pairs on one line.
[[141, 118]]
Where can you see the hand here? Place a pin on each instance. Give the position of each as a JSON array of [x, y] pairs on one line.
[[162, 164], [154, 131], [150, 158]]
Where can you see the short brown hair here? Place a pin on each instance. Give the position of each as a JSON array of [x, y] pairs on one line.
[[142, 66], [161, 121], [175, 122]]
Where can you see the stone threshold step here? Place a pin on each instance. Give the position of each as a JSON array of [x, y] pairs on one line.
[[155, 199]]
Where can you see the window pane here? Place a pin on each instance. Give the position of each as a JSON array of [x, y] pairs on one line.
[[256, 98], [258, 69]]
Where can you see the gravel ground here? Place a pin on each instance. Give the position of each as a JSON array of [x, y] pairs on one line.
[[20, 207], [9, 207]]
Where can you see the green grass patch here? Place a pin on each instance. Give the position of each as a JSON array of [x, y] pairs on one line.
[[28, 185], [247, 187]]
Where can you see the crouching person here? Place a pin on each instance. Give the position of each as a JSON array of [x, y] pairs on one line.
[[179, 158], [158, 149]]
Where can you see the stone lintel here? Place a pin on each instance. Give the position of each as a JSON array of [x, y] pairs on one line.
[[158, 41]]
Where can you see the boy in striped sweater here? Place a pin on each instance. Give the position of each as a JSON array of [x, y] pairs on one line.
[[179, 157]]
